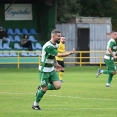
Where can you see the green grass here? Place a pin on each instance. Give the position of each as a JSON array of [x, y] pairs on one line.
[[82, 95]]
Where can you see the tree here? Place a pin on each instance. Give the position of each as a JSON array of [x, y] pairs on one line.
[[100, 8], [67, 9]]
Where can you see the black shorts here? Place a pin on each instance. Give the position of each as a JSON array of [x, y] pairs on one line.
[[61, 63]]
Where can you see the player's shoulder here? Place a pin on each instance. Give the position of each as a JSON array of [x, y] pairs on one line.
[[47, 44], [50, 45], [112, 40]]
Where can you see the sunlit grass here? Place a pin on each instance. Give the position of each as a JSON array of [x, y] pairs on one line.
[[81, 95]]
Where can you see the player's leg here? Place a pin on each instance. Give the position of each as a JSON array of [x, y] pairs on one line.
[[109, 80], [111, 71], [61, 73], [39, 86], [42, 91], [111, 67], [51, 86], [56, 83]]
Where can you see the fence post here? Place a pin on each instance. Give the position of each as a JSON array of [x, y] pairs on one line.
[[80, 58], [18, 60], [100, 59]]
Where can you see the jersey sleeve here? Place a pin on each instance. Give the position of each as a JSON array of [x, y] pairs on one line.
[[111, 44], [51, 50]]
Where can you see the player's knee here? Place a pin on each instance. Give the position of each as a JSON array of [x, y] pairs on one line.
[[114, 72], [57, 87], [44, 88]]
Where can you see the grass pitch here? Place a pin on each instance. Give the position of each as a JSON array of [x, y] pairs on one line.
[[82, 95]]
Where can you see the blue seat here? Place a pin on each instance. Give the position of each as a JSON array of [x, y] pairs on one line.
[[13, 53], [33, 46], [10, 31], [24, 53], [17, 31], [25, 31], [38, 46], [6, 53], [31, 38], [6, 46], [17, 38], [17, 46], [1, 48], [38, 53], [11, 39], [1, 54], [31, 53], [32, 31]]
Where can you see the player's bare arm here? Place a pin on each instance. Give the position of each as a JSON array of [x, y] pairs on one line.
[[66, 54]]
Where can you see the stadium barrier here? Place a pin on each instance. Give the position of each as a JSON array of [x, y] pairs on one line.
[[79, 58]]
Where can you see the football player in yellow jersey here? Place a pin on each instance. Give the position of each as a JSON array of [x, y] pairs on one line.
[[60, 60]]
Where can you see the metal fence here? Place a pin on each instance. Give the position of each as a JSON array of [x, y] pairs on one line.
[[79, 58]]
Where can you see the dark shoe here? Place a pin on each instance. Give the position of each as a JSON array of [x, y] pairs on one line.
[[62, 81], [98, 73], [36, 107], [39, 87]]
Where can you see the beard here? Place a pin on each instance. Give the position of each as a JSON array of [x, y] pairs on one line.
[[57, 41]]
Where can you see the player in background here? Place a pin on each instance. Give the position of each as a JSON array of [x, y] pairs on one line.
[[109, 58], [61, 49]]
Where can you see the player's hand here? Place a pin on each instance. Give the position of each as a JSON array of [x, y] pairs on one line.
[[73, 51], [115, 57], [58, 67]]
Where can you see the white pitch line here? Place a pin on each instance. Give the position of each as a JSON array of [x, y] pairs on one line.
[[81, 97], [15, 93], [83, 109], [59, 96]]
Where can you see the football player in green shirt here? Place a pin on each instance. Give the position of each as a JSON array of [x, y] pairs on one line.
[[48, 75], [109, 58]]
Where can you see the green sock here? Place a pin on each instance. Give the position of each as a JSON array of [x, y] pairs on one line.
[[51, 87], [39, 95], [107, 72], [110, 78]]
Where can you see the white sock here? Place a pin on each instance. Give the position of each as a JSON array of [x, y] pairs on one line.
[[107, 84], [101, 71], [35, 103]]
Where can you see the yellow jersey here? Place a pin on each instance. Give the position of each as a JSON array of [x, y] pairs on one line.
[[61, 49]]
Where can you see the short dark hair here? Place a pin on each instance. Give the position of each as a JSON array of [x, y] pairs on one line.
[[113, 31], [55, 31], [24, 36], [62, 36]]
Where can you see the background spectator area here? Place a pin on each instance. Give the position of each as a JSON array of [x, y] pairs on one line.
[[16, 35]]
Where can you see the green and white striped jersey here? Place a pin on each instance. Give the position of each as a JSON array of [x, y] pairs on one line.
[[49, 51], [112, 44]]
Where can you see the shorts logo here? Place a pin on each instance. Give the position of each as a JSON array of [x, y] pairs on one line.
[[43, 82]]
